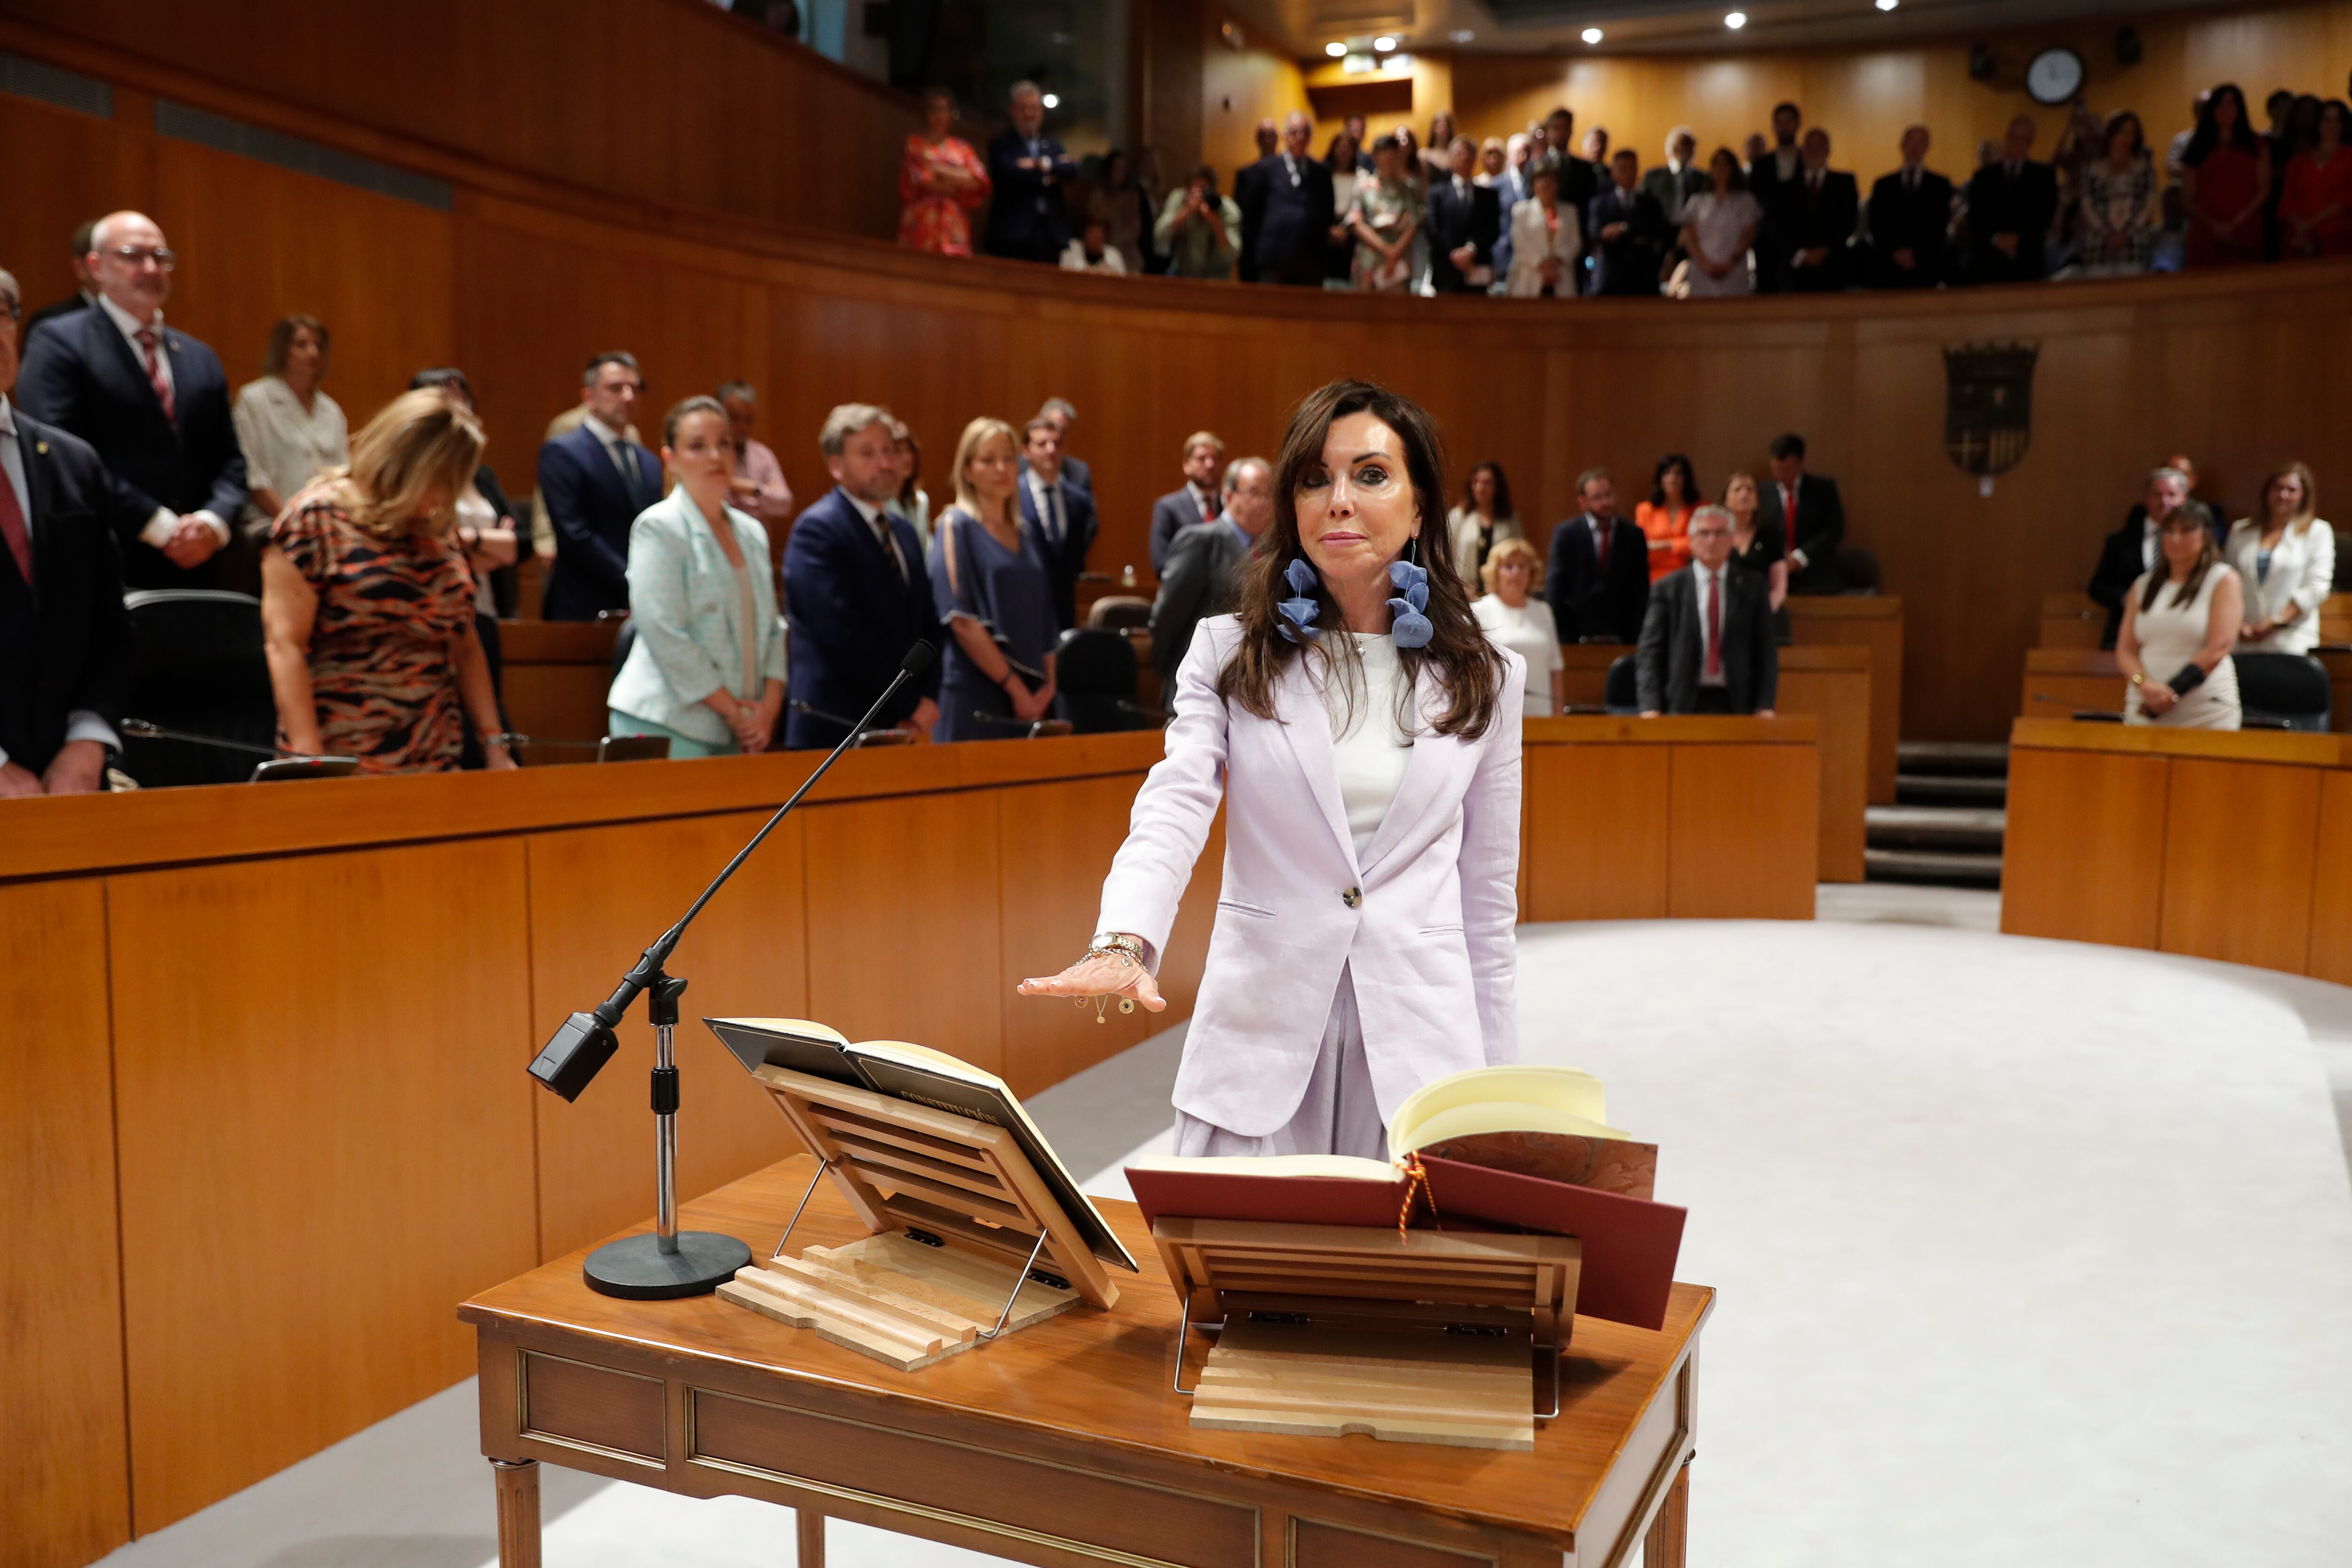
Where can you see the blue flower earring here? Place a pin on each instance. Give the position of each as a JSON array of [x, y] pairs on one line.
[[1299, 614], [1408, 625]]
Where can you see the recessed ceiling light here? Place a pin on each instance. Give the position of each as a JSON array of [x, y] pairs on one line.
[[1383, 44], [1052, 100], [1592, 35], [1336, 49], [1888, 5], [1737, 20]]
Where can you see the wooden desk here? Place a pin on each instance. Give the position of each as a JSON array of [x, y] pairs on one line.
[[2071, 620], [1644, 818], [1836, 686], [2059, 680], [555, 679], [1874, 621], [2228, 845], [1060, 1445]]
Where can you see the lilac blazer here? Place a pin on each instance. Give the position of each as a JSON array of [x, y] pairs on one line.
[[1428, 934]]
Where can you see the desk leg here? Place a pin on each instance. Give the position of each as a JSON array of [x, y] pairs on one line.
[[1670, 1531], [808, 1531], [518, 1482]]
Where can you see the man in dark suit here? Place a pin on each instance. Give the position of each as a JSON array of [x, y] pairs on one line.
[[1060, 516], [1204, 575], [595, 481], [857, 595], [154, 404], [1679, 179], [85, 293], [1197, 503], [2132, 549], [1028, 218], [1810, 514], [1707, 644], [2011, 203], [1579, 182], [1910, 216], [1465, 221], [1512, 186], [1628, 232], [1771, 177], [65, 638], [1286, 212], [1821, 208], [1063, 414], [1598, 584]]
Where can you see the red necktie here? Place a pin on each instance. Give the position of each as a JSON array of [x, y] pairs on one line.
[[155, 370], [1715, 625], [1216, 505], [1789, 516], [13, 530]]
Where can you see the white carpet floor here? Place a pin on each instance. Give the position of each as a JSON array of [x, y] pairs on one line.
[[2028, 1253]]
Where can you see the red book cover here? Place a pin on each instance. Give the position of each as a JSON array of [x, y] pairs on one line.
[[1287, 1200], [1630, 1245]]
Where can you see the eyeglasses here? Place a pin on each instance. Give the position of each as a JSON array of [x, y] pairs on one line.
[[11, 312], [140, 254]]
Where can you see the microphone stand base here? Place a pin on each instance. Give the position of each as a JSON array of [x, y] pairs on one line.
[[636, 1266]]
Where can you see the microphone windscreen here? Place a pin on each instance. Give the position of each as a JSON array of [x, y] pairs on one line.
[[918, 659]]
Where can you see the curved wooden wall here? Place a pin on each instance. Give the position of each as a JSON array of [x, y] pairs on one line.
[[524, 277]]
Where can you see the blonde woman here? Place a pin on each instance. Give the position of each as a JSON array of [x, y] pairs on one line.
[[1513, 618], [367, 606], [990, 585], [2286, 563]]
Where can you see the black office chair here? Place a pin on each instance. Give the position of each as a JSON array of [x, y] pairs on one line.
[[1094, 680], [621, 644], [1621, 689], [2284, 690], [198, 668]]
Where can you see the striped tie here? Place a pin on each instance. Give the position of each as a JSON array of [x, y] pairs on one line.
[[156, 377]]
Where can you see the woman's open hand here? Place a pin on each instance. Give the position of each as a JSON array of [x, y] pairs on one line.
[[1100, 975]]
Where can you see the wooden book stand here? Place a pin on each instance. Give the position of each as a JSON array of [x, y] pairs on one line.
[[965, 1233], [1429, 1337]]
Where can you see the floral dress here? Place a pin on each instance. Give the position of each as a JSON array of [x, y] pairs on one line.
[[2124, 204], [1385, 206], [928, 220]]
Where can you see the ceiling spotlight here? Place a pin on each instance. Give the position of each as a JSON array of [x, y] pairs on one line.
[[1888, 5], [1052, 100], [1737, 20], [1592, 35], [1336, 49], [1383, 44]]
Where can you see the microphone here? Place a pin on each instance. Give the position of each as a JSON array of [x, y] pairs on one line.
[[668, 1264]]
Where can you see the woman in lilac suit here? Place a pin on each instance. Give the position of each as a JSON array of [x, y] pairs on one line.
[[1364, 738]]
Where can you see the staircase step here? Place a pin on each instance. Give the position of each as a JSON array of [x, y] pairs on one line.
[[1962, 828], [1979, 757], [1950, 789], [1931, 865]]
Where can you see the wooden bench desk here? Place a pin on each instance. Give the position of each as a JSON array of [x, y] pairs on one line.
[[2059, 680], [1064, 1444], [1874, 621]]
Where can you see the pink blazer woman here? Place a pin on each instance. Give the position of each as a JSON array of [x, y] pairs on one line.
[[1424, 921]]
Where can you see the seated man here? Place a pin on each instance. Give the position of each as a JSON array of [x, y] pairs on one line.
[[1707, 644], [1204, 568]]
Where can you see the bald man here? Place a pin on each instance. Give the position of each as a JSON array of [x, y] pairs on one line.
[[1286, 212]]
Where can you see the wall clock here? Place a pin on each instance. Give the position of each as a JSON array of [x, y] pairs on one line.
[[2054, 77]]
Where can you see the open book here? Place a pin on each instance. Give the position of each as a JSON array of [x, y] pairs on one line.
[[923, 1077]]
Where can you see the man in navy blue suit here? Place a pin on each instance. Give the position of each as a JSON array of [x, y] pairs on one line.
[[1599, 581], [595, 481], [1287, 213], [154, 405], [1027, 218], [856, 593], [1060, 515]]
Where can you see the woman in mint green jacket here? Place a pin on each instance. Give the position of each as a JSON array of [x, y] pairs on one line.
[[707, 667]]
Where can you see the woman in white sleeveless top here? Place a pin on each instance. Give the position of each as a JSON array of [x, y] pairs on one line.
[[2179, 621]]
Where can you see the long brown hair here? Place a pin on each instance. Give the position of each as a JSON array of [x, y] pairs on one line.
[[2161, 573], [1467, 662]]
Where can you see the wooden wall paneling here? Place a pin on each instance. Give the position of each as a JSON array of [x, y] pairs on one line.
[[66, 1489], [2329, 956], [1054, 845], [78, 171], [598, 895], [2081, 856], [1834, 685], [1718, 862], [1595, 843], [2239, 848], [555, 678], [2072, 619], [1874, 621], [1585, 682], [2338, 664], [325, 1139]]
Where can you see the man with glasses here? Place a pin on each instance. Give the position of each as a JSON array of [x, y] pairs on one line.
[[1707, 642], [155, 405], [595, 480]]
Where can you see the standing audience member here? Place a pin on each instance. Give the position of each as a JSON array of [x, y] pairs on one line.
[[1512, 619], [1286, 212], [65, 638], [78, 246], [1205, 569], [941, 183], [1464, 223], [1910, 215], [2285, 564], [2315, 208], [1810, 514], [1339, 253], [992, 588], [1483, 520], [2010, 205], [289, 430], [1679, 179], [484, 528], [1719, 228], [1579, 182], [1028, 219], [154, 404], [2132, 550], [912, 504], [1545, 240], [1387, 216], [2225, 178], [2120, 211], [1151, 196], [1493, 161], [1599, 581], [1063, 415], [706, 669], [1200, 231], [2181, 619], [367, 609], [857, 595], [1061, 515], [1092, 251], [1771, 179], [595, 480], [1436, 161], [1664, 518], [1514, 185], [1628, 232], [1821, 209], [1757, 545], [757, 486], [1196, 503], [2176, 150], [1707, 643], [1116, 203]]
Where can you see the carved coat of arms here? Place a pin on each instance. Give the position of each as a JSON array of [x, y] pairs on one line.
[[1989, 405]]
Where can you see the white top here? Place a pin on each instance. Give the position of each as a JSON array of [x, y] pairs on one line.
[[1369, 745], [1530, 632], [1074, 260], [2300, 570], [1719, 224], [2169, 635], [286, 447]]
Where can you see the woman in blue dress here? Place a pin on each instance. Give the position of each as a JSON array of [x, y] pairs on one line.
[[989, 581]]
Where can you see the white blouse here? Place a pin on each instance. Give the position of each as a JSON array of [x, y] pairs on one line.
[[1367, 739], [2300, 570], [286, 447], [1530, 632]]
